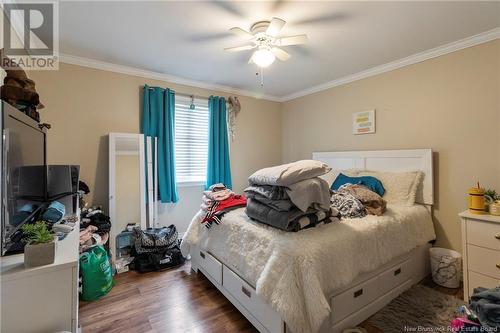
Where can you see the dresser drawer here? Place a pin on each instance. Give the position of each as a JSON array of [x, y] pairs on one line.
[[480, 280], [483, 261], [248, 298], [210, 265], [394, 276], [354, 299], [483, 234]]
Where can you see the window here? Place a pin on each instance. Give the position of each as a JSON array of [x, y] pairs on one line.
[[191, 140]]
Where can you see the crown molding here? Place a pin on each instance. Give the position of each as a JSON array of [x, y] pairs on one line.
[[128, 70], [407, 61], [410, 60]]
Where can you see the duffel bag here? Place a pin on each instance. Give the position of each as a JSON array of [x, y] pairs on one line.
[[150, 262], [155, 240]]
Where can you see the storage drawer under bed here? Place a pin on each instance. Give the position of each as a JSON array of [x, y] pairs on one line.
[[355, 298], [394, 276], [210, 265], [249, 299]]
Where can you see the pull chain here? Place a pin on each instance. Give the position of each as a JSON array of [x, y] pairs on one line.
[[262, 77]]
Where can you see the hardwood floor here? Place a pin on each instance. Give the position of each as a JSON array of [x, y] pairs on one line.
[[171, 301], [174, 301]]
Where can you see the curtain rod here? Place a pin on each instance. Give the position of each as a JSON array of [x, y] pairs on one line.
[[187, 95]]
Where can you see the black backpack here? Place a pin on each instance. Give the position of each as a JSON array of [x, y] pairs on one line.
[[157, 261]]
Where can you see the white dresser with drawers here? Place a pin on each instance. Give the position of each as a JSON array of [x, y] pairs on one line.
[[481, 251]]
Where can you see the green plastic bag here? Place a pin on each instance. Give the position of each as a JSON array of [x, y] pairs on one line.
[[97, 275]]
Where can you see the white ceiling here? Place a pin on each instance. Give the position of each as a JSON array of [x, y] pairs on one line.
[[186, 39]]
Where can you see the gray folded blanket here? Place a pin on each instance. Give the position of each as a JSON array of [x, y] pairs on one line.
[[292, 220], [486, 305], [287, 174], [303, 194], [279, 205], [268, 191]]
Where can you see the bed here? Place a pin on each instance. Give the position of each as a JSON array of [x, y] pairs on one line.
[[327, 278]]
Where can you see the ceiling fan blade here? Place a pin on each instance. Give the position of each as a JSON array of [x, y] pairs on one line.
[[239, 48], [292, 40], [280, 54], [275, 26], [242, 33]]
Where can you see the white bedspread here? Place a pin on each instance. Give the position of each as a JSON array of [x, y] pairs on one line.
[[295, 272]]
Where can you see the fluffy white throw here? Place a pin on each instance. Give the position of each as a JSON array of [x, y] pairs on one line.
[[296, 272]]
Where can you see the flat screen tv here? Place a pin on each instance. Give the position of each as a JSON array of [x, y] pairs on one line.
[[24, 175]]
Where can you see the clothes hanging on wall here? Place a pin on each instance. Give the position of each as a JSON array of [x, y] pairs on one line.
[[234, 109]]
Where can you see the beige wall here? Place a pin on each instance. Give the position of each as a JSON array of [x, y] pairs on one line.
[[83, 105], [449, 104]]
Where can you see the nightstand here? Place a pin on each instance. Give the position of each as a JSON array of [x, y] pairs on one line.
[[481, 251]]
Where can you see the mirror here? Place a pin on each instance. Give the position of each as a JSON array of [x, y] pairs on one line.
[[127, 199]]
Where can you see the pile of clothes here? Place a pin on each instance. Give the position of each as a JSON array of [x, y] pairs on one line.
[[290, 197], [356, 200], [483, 314], [95, 216], [94, 228], [217, 201]]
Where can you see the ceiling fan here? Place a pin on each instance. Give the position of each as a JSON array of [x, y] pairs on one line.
[[264, 37]]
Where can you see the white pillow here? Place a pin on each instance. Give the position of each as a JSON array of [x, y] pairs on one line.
[[400, 187], [330, 176], [287, 174]]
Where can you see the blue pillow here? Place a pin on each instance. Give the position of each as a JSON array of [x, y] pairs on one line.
[[372, 183]]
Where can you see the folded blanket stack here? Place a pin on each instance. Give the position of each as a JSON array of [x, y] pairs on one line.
[[217, 201], [290, 197]]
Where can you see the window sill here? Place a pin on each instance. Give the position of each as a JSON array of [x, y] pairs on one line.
[[194, 183]]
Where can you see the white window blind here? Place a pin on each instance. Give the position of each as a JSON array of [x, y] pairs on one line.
[[191, 140]]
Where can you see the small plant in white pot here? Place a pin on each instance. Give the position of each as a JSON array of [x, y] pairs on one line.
[[40, 246]]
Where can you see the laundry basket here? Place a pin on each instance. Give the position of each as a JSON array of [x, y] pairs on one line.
[[446, 266]]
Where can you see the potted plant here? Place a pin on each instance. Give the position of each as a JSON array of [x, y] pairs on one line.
[[40, 246], [490, 196]]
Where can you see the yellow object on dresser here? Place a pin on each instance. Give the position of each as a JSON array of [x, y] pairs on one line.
[[477, 202], [481, 251]]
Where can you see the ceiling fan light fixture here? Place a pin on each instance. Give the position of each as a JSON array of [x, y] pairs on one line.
[[263, 57]]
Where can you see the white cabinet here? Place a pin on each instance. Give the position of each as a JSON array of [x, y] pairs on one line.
[[481, 251], [44, 298]]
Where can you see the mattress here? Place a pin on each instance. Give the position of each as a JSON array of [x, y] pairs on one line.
[[296, 271]]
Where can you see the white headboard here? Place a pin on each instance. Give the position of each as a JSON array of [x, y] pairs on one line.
[[386, 160]]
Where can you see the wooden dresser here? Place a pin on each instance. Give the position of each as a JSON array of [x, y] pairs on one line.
[[481, 251]]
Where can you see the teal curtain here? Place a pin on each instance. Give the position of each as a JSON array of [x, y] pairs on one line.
[[218, 168], [158, 119]]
